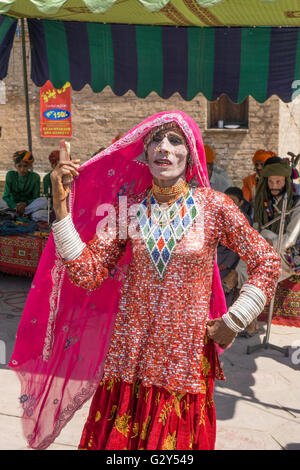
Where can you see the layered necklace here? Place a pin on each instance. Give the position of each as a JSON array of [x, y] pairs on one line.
[[160, 211], [163, 225]]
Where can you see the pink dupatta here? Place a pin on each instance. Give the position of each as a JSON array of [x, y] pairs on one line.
[[64, 333]]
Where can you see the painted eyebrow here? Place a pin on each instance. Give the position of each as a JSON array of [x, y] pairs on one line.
[[170, 134]]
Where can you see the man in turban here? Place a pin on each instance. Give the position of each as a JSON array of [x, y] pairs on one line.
[[22, 188], [251, 181], [218, 178], [22, 185], [53, 159], [275, 182]]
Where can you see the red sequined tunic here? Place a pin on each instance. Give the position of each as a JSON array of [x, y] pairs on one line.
[[159, 333]]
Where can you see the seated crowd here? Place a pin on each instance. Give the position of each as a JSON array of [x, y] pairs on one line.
[[261, 199]]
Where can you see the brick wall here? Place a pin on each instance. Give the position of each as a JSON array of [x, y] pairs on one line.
[[98, 117]]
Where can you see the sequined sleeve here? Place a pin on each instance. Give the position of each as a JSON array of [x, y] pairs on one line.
[[263, 262], [91, 268], [100, 255]]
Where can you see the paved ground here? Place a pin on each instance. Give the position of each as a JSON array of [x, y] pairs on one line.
[[258, 407]]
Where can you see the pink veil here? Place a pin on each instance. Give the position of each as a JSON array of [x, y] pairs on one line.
[[64, 331]]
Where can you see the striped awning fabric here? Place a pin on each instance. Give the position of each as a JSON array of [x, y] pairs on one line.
[[238, 61], [7, 32]]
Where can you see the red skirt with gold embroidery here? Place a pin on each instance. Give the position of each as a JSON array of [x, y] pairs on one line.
[[126, 416]]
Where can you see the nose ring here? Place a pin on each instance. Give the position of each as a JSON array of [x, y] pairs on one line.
[[167, 152]]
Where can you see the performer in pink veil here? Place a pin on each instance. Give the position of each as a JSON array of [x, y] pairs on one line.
[[127, 305]]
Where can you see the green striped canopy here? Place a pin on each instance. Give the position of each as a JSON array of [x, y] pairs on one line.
[[237, 61]]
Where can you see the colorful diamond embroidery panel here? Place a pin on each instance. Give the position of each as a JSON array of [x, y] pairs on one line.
[[164, 228]]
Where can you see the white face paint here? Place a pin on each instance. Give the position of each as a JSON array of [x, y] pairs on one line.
[[167, 158]]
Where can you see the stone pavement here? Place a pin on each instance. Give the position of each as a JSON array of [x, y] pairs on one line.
[[258, 407]]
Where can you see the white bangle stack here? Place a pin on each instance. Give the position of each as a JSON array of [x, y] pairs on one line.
[[246, 308], [67, 239]]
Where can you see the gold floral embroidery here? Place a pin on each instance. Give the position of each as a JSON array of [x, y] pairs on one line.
[[113, 412], [137, 389], [202, 416], [203, 387], [166, 410], [157, 399], [186, 405], [90, 443], [122, 424], [146, 395], [177, 398], [145, 428], [110, 383], [205, 365], [209, 401], [98, 416], [135, 430], [170, 442], [192, 440]]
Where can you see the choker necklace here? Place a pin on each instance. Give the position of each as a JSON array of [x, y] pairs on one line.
[[176, 190], [179, 190]]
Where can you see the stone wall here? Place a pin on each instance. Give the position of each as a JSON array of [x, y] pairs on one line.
[[98, 117]]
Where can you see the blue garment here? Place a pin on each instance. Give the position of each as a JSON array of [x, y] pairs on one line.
[[7, 227]]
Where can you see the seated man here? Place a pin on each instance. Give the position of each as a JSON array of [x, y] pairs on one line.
[[226, 258], [22, 188], [275, 183], [236, 194], [53, 159], [251, 181], [218, 178]]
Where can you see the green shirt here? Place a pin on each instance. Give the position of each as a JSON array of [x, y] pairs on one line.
[[21, 188], [47, 186]]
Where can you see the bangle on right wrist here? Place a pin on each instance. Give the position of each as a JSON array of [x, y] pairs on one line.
[[231, 324]]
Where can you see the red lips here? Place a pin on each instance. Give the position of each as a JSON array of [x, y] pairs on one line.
[[162, 161]]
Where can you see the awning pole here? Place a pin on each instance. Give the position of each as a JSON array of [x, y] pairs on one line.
[[25, 79]]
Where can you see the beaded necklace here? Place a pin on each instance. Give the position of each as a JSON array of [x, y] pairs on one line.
[[163, 228]]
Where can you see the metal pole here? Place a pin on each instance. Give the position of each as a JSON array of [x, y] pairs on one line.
[[279, 243], [266, 343], [25, 79]]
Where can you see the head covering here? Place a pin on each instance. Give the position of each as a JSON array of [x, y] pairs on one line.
[[209, 154], [54, 156], [275, 166], [262, 155], [170, 126], [64, 332], [23, 155]]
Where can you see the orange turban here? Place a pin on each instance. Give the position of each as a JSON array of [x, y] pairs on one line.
[[23, 155], [262, 155], [209, 154], [54, 156]]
